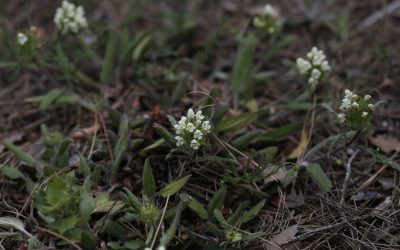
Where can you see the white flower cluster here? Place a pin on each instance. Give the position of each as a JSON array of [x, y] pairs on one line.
[[70, 18], [268, 19], [313, 66], [21, 38], [191, 130], [354, 108]]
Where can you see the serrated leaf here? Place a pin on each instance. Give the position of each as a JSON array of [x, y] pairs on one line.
[[174, 187], [56, 191], [218, 199], [253, 212], [149, 184], [319, 177], [235, 123]]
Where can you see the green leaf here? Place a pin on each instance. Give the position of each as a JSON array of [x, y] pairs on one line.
[[89, 240], [233, 218], [64, 225], [56, 190], [84, 166], [380, 157], [169, 235], [131, 199], [219, 217], [156, 144], [218, 199], [196, 206], [11, 222], [281, 132], [235, 123], [165, 134], [134, 244], [243, 140], [252, 213], [244, 63], [108, 62], [319, 177], [140, 47], [174, 187], [20, 154], [149, 184], [12, 173], [87, 205]]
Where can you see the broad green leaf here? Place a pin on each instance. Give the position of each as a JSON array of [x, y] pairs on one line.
[[20, 154], [169, 235], [219, 217], [11, 222], [87, 205], [319, 177], [281, 133], [174, 187], [244, 63], [134, 244], [149, 184], [108, 62], [89, 240], [12, 173], [218, 199], [232, 220], [243, 140], [253, 212], [156, 144], [267, 154], [196, 206], [131, 199], [235, 123], [56, 190], [299, 106], [84, 166], [382, 158], [165, 134], [64, 225]]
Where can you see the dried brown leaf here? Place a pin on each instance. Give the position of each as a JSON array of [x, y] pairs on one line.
[[386, 143]]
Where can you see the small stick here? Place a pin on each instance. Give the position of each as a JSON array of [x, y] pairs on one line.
[[159, 224], [59, 236], [348, 173]]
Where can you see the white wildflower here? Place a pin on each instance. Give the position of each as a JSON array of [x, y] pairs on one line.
[[270, 11], [191, 130], [268, 20], [371, 107], [195, 144], [70, 18], [190, 127], [161, 248], [353, 107], [314, 66], [342, 117], [21, 38], [206, 126], [190, 114], [198, 134], [179, 140]]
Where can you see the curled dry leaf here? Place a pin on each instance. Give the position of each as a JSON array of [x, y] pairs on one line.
[[386, 143], [284, 237]]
